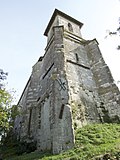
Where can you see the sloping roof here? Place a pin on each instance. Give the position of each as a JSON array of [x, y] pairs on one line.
[[57, 12], [24, 90]]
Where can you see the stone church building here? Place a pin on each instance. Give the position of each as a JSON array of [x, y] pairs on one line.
[[69, 87]]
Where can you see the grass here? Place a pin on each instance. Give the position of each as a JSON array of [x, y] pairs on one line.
[[91, 141]]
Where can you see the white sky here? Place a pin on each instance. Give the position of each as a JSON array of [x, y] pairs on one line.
[[23, 22]]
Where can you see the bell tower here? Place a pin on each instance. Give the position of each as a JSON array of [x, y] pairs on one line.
[[61, 19]]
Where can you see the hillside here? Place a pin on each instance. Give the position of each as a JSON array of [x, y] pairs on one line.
[[93, 142]]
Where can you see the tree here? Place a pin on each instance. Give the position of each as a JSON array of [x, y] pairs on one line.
[[2, 77], [8, 112], [5, 105], [116, 32]]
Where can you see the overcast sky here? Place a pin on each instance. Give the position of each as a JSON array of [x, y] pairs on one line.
[[23, 22]]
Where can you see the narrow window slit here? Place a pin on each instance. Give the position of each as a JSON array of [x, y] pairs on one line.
[[61, 112], [29, 123], [77, 58], [48, 70]]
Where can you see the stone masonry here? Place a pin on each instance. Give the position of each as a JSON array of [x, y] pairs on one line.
[[70, 86]]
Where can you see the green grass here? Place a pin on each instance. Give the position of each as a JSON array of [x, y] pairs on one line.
[[91, 141]]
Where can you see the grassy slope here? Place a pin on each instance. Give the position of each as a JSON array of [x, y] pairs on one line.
[[91, 141]]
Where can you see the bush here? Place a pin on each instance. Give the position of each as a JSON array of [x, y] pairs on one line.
[[24, 147]]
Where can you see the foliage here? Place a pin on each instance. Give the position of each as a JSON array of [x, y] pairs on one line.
[[5, 101], [92, 142], [14, 111], [11, 146], [7, 111], [117, 32], [25, 147], [5, 104], [2, 77]]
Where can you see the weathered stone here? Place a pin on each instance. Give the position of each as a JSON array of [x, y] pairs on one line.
[[69, 87]]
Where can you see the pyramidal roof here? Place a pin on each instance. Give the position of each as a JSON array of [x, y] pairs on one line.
[[57, 12]]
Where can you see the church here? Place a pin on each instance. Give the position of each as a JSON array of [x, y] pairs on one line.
[[70, 86]]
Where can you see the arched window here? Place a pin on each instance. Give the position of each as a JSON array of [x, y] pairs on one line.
[[70, 28]]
